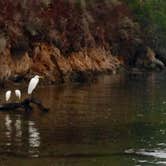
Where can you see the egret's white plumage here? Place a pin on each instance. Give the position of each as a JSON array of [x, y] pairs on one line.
[[33, 83], [8, 95], [18, 93]]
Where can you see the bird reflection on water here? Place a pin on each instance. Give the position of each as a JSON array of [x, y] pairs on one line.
[[34, 139], [15, 132], [8, 129]]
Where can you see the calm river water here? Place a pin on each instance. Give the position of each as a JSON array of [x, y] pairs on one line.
[[119, 120]]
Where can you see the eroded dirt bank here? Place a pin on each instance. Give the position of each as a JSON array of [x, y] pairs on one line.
[[58, 38]]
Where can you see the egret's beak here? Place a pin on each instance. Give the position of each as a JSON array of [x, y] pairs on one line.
[[41, 77]]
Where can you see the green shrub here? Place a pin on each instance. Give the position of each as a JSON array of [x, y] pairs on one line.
[[152, 16]]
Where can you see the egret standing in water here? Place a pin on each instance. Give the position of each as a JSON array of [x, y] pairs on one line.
[[33, 83], [8, 95], [18, 93]]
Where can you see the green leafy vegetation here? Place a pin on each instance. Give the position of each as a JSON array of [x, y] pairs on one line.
[[152, 16]]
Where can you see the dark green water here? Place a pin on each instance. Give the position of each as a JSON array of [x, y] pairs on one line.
[[116, 121]]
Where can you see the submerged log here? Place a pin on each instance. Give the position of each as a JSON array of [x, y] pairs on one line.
[[25, 104]]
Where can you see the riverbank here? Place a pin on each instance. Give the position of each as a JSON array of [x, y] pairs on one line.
[[70, 40], [49, 62]]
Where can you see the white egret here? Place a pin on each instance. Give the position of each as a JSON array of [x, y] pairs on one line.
[[8, 95], [33, 83], [18, 93]]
